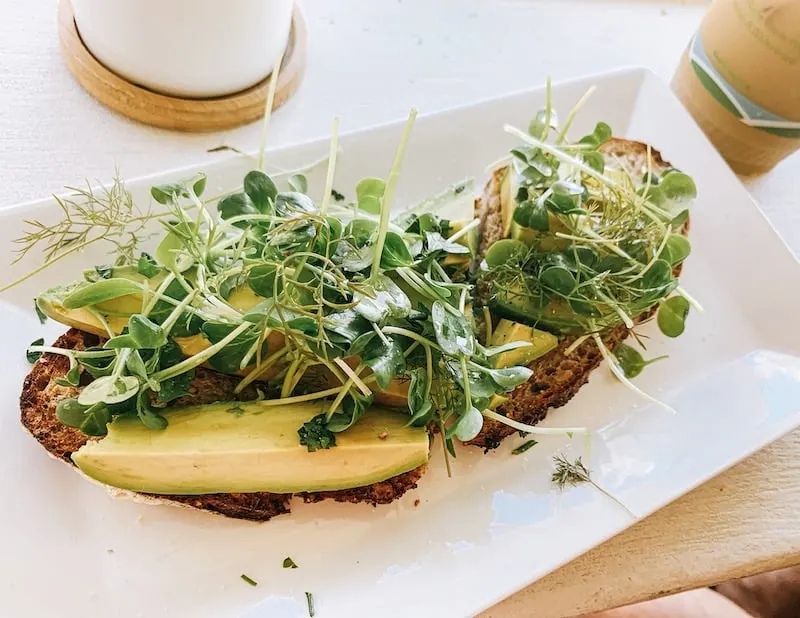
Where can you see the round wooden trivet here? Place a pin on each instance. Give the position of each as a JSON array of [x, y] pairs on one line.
[[182, 114]]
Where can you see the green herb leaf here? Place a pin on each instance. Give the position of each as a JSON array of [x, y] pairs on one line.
[[532, 214], [601, 134], [339, 197], [671, 317], [288, 563], [91, 420], [524, 447], [34, 356], [98, 367], [146, 333], [369, 195], [388, 301], [236, 205], [135, 365], [315, 435], [170, 251], [310, 603], [395, 252], [434, 241], [346, 326], [109, 390], [298, 183], [121, 341], [421, 408], [386, 361], [99, 292], [631, 361], [678, 186], [73, 376], [168, 193], [199, 185], [187, 325], [469, 425], [595, 160], [680, 219], [504, 251], [453, 332], [261, 190], [147, 266], [104, 271], [229, 358], [249, 580], [353, 407], [508, 378], [150, 417], [39, 313], [173, 388], [558, 279], [677, 249], [261, 280]]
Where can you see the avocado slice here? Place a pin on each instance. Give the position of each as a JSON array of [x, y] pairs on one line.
[[507, 331], [117, 311], [555, 317], [250, 447]]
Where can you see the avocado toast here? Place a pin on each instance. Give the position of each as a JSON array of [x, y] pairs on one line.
[[289, 346]]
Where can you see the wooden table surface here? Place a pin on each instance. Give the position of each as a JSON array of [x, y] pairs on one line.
[[435, 55], [743, 522]]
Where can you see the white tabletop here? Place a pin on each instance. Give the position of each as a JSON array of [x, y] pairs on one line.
[[368, 63]]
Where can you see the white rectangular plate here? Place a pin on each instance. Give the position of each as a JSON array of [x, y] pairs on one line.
[[69, 549]]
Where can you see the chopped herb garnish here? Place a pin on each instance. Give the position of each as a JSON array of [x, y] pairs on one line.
[[310, 603], [147, 266], [288, 563], [524, 447], [236, 409], [315, 435], [105, 271], [39, 313], [339, 197], [249, 580], [34, 356]]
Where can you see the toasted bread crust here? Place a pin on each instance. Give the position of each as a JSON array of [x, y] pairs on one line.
[[557, 377], [40, 396]]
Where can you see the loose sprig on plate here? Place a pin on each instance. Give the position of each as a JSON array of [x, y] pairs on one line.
[[571, 473]]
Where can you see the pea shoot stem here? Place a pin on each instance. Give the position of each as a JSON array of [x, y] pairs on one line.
[[562, 135], [273, 86], [200, 358], [534, 429], [388, 196], [326, 196], [620, 375], [464, 230]]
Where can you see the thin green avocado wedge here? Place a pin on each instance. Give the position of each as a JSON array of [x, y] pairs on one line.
[[250, 447], [116, 311], [507, 331]]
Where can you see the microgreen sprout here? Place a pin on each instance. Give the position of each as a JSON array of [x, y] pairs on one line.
[[571, 473]]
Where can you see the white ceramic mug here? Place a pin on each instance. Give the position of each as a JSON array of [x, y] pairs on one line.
[[187, 48]]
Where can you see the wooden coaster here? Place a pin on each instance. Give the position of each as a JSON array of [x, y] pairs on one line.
[[168, 112]]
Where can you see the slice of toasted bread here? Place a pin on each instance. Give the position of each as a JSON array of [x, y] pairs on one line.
[[557, 376], [41, 394]]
